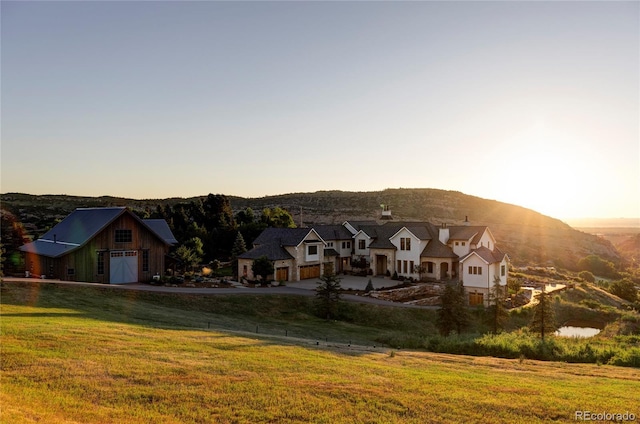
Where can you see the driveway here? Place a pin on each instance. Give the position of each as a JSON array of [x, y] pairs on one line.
[[302, 288]]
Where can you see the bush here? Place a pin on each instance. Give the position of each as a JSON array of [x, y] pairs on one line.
[[587, 276], [624, 289], [369, 287]]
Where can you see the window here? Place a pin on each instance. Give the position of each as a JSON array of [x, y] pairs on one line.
[[346, 245], [245, 270], [404, 267], [100, 263], [463, 243], [362, 244], [430, 267], [312, 250], [411, 267], [123, 236], [399, 267], [145, 260], [503, 270], [71, 271], [405, 243], [457, 243], [475, 270], [329, 244]]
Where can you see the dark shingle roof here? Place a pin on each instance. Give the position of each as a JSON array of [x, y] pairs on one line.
[[435, 249], [282, 236], [487, 255], [333, 232], [463, 232], [273, 251], [381, 234]]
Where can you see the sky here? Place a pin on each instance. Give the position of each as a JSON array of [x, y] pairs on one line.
[[530, 103]]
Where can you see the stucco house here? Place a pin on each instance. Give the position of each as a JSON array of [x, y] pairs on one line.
[[418, 250], [102, 245]]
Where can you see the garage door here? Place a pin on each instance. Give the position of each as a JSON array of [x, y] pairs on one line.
[[123, 267], [310, 271], [282, 274]]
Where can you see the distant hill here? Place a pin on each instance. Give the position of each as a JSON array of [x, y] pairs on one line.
[[527, 236]]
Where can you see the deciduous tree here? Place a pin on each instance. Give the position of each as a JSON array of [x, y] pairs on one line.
[[262, 267]]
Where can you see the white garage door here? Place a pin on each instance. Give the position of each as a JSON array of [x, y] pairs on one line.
[[123, 267]]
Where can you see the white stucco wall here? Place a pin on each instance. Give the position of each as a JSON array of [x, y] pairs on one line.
[[413, 254], [356, 241]]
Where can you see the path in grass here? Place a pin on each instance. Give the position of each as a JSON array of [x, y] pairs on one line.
[[70, 364]]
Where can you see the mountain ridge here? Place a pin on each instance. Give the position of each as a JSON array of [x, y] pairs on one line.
[[529, 237]]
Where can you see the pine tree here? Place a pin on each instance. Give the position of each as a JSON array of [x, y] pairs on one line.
[[453, 315], [239, 247], [543, 321], [498, 314], [328, 295]]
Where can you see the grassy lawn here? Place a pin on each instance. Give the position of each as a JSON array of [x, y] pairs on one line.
[[93, 356]]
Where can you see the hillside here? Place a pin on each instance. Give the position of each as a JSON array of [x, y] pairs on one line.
[[527, 236]]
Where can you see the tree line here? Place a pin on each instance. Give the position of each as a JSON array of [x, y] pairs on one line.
[[207, 228]]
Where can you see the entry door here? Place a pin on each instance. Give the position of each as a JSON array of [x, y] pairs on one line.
[[123, 267]]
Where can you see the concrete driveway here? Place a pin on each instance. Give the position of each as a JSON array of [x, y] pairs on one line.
[[302, 288], [347, 282]]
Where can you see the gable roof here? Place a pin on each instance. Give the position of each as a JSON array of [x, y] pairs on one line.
[[84, 224], [273, 251], [284, 236], [463, 232], [333, 232], [161, 228], [487, 255], [436, 249]]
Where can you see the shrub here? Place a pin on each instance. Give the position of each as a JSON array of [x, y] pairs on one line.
[[587, 276], [369, 287]]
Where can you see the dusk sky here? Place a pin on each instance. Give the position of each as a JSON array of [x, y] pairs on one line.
[[530, 103]]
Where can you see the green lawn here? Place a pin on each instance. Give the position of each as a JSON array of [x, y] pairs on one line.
[[96, 356]]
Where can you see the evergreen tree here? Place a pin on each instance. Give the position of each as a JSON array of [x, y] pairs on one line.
[[453, 315], [328, 295], [543, 321], [239, 247], [498, 314]]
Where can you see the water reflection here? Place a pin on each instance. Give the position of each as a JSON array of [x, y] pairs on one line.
[[571, 331]]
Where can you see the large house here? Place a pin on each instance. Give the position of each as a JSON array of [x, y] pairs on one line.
[[418, 250], [102, 245]]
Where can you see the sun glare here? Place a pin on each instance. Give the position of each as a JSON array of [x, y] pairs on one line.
[[549, 172]]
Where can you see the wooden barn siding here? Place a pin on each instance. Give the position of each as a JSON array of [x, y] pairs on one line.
[[84, 261]]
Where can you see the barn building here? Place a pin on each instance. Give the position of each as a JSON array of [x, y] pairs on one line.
[[101, 245]]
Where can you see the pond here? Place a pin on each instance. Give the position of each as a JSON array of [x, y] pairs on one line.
[[579, 329]]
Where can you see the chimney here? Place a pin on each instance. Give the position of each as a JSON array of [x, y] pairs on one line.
[[466, 220], [443, 234], [386, 212]]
